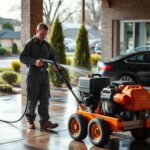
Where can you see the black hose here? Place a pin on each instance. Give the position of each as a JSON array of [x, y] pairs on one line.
[[6, 121]]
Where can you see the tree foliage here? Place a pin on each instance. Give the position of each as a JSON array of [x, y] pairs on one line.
[[8, 25], [14, 48], [57, 43], [82, 53]]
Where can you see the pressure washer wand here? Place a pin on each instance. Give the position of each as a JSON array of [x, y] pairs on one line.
[[65, 80]]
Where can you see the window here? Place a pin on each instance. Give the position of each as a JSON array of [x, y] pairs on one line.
[[142, 58], [134, 35]]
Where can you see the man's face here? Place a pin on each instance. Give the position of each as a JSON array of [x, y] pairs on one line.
[[41, 34]]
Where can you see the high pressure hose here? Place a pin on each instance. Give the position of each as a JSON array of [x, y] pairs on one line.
[[6, 121]]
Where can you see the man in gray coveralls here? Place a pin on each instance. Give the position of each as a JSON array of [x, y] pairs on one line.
[[34, 51]]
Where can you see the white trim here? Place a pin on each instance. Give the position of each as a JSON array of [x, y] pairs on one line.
[[133, 21]]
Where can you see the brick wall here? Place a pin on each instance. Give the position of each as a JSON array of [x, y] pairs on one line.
[[31, 15], [120, 10]]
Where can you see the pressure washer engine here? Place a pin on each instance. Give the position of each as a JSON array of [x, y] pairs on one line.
[[90, 88], [111, 99]]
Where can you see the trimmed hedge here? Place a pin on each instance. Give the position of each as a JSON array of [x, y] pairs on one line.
[[9, 76], [3, 51], [16, 65], [5, 69], [6, 88], [95, 58]]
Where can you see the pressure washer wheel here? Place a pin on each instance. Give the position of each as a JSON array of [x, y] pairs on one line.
[[77, 126], [140, 134], [98, 132]]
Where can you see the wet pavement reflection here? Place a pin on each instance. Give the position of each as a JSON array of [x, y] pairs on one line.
[[62, 105]]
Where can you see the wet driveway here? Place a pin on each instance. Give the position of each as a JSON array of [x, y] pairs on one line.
[[62, 105]]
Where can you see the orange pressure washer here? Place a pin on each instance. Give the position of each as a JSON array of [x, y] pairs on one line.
[[115, 107], [107, 107]]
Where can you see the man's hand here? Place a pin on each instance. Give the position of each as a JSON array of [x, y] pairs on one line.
[[39, 63]]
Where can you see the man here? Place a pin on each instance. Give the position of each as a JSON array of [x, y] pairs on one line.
[[38, 90]]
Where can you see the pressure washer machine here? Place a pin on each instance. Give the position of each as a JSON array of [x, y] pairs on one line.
[[110, 107]]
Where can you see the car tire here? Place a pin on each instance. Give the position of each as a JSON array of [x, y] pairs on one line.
[[128, 78], [77, 126]]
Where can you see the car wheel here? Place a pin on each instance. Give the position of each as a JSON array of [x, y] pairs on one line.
[[128, 78], [77, 126]]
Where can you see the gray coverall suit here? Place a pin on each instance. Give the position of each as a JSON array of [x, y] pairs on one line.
[[37, 78]]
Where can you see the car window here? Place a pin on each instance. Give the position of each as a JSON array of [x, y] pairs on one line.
[[141, 58]]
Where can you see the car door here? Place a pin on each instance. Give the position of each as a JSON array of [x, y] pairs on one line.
[[140, 65]]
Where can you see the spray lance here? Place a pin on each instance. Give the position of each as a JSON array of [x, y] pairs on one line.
[[59, 70]]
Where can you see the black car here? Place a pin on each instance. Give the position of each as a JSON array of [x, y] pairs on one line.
[[134, 67]]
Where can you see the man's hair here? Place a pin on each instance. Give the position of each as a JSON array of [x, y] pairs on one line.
[[42, 26]]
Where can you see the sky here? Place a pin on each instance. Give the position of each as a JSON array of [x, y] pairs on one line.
[[6, 5]]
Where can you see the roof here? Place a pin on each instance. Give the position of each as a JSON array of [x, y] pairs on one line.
[[9, 34]]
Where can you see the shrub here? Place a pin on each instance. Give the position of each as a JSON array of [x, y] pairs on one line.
[[16, 65], [82, 53], [14, 48], [68, 61], [57, 43], [6, 88], [2, 81], [9, 76], [3, 51], [95, 58], [5, 69]]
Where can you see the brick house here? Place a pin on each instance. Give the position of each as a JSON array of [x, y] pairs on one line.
[[125, 25]]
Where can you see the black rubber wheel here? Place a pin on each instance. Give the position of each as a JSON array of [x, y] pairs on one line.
[[98, 132], [77, 126], [127, 77], [140, 134]]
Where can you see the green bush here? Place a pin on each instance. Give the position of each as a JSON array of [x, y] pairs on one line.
[[68, 60], [14, 48], [95, 58], [9, 76], [82, 52], [16, 65], [3, 51], [5, 69], [57, 43], [6, 88], [2, 81]]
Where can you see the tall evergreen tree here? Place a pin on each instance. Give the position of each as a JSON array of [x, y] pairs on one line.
[[82, 53], [57, 43], [7, 25], [14, 48]]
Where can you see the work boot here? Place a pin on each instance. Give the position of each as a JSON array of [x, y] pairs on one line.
[[30, 125], [48, 125]]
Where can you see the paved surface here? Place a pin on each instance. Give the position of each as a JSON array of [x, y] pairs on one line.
[[17, 137]]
